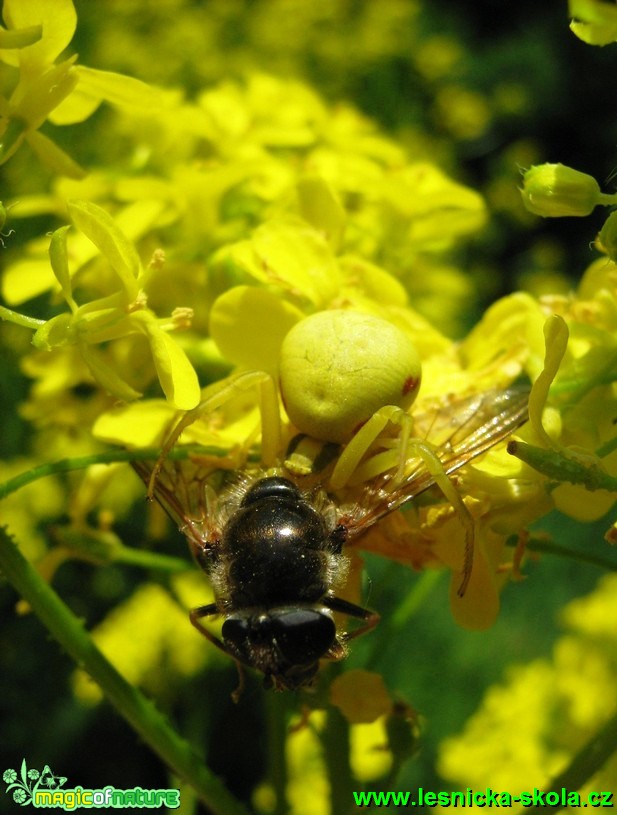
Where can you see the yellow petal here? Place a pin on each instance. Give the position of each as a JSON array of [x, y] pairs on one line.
[[361, 696], [26, 279], [118, 89], [101, 229], [20, 37], [54, 157], [141, 424], [176, 374], [58, 19], [249, 324]]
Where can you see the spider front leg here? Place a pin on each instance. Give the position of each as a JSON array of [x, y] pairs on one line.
[[346, 467], [349, 470], [268, 407]]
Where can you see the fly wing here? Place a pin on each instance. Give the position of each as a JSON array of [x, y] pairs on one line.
[[181, 487], [458, 429]]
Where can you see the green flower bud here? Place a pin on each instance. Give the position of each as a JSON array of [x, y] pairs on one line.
[[554, 190]]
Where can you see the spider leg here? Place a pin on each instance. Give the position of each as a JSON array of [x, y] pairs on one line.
[[360, 443], [406, 447], [269, 411], [435, 467]]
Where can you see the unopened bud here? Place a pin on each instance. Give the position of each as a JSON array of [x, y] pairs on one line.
[[554, 190]]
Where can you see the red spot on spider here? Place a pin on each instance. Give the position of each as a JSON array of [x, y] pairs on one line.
[[410, 384]]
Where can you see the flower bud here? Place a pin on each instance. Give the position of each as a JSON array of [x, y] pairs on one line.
[[554, 190]]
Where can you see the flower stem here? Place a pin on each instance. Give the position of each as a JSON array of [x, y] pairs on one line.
[[138, 711], [96, 549], [336, 745], [584, 765], [551, 548], [391, 626], [66, 465], [607, 199], [20, 319], [276, 712]]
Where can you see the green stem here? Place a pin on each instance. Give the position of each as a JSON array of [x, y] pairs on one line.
[[399, 619], [66, 465], [138, 711], [607, 199], [560, 465], [276, 712], [585, 763], [149, 560], [550, 548], [95, 549], [336, 746], [607, 448], [20, 319]]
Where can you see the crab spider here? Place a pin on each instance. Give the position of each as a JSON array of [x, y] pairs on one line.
[[335, 388]]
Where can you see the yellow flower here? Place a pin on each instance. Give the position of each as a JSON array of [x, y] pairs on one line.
[[62, 92], [554, 707], [118, 314]]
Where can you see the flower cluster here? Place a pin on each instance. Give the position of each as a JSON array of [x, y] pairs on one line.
[[180, 248], [257, 204], [555, 705]]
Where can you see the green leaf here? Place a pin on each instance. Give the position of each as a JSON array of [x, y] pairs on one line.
[[100, 228], [565, 465]]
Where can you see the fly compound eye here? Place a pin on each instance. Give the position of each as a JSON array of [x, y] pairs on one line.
[[292, 636], [302, 635], [271, 488]]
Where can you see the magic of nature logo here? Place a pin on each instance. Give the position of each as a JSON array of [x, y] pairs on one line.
[[44, 789]]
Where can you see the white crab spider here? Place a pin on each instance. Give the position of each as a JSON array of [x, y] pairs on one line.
[[347, 378]]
